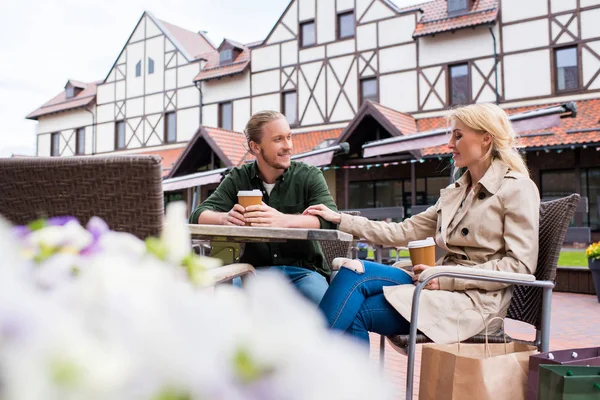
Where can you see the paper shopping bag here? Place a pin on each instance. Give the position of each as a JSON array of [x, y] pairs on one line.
[[568, 382], [584, 356], [472, 373]]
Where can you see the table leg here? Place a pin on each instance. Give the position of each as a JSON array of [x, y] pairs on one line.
[[229, 253]]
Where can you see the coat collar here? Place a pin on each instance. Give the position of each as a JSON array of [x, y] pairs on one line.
[[491, 180]]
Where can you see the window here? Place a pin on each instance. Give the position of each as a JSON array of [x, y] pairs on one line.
[[120, 135], [459, 84], [368, 90], [150, 66], [226, 116], [456, 7], [80, 141], [170, 127], [567, 70], [345, 25], [307, 34], [225, 56], [289, 107], [54, 144], [138, 69], [70, 92]]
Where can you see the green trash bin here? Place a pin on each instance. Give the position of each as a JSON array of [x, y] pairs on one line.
[[564, 382]]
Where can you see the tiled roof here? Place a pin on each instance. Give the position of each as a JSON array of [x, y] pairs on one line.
[[193, 43], [404, 122], [232, 144], [169, 158], [61, 103], [583, 129], [435, 17], [213, 69]]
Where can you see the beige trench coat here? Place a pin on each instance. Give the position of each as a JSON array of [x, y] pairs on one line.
[[495, 228]]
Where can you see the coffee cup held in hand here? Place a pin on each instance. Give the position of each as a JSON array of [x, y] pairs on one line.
[[422, 252], [249, 198]]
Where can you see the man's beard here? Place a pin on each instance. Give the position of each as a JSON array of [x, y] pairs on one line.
[[273, 162]]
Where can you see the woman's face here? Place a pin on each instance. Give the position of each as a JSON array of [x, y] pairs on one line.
[[468, 146]]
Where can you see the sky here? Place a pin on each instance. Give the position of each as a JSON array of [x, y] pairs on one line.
[[45, 43]]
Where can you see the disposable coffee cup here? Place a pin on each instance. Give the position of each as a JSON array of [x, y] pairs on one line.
[[250, 198], [422, 252]]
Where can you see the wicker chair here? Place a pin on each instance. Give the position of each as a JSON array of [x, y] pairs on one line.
[[333, 249], [531, 300], [125, 191]]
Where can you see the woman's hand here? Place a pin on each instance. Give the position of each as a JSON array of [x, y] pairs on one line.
[[324, 212], [433, 284]]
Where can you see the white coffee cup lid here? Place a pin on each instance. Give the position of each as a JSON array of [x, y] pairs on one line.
[[254, 192], [421, 243]]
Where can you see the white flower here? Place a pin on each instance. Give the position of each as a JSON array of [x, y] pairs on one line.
[[175, 234]]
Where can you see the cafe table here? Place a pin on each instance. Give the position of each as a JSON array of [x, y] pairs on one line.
[[227, 242]]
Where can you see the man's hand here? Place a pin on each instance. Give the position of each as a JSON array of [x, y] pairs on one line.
[[433, 284], [265, 216], [235, 216]]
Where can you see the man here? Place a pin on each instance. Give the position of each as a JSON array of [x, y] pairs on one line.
[[288, 188]]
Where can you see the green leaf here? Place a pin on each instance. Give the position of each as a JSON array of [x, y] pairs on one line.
[[157, 248], [37, 224], [248, 370], [44, 253], [172, 394], [65, 373]]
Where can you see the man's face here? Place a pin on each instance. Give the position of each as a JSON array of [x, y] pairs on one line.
[[275, 147]]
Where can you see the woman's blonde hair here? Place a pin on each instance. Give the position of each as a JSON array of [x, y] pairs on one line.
[[489, 118]]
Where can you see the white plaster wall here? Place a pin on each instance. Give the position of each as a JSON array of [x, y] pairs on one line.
[[399, 91], [344, 5], [513, 10], [267, 102], [187, 123], [535, 32], [265, 82], [89, 140], [105, 113], [154, 103], [140, 31], [306, 9], [289, 53], [155, 50], [67, 120], [105, 93], [210, 115], [225, 89], [396, 30], [151, 28], [562, 5], [265, 58], [340, 48], [105, 137], [527, 75], [378, 10], [170, 79], [398, 58], [43, 145], [186, 74], [451, 47], [326, 23], [241, 114], [280, 34], [314, 53], [587, 3], [591, 65], [135, 85], [188, 97], [366, 36], [120, 94], [590, 24], [135, 107]]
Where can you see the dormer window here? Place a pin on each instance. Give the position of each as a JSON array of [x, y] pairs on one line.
[[70, 91], [458, 7], [225, 56]]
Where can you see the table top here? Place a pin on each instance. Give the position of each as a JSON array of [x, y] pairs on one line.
[[225, 233]]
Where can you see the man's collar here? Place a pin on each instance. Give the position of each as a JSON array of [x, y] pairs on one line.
[[255, 173]]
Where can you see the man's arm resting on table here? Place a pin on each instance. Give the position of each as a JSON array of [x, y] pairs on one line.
[[209, 217], [303, 221]]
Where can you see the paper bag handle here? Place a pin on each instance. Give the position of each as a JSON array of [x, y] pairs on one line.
[[487, 350], [503, 331]]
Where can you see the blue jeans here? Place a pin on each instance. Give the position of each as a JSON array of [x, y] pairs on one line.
[[310, 284], [354, 303]]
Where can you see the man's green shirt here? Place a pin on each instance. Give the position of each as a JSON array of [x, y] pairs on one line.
[[300, 186]]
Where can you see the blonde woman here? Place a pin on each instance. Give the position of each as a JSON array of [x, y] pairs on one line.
[[488, 219]]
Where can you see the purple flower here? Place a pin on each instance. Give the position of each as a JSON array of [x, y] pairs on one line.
[[20, 232], [97, 227], [60, 221]]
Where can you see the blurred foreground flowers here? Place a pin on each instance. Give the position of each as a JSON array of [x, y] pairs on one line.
[[88, 313]]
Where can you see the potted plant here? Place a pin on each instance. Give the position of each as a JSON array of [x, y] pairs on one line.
[[363, 250], [593, 255]]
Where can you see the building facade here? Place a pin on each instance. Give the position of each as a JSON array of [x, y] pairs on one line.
[[320, 63]]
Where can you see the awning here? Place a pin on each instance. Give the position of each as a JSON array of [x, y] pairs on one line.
[[193, 180], [320, 157], [521, 122]]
